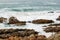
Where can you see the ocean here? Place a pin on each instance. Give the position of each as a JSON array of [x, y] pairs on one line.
[[28, 10], [25, 8], [30, 5]]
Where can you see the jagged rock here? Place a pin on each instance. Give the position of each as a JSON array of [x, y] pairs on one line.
[[13, 20], [58, 18], [42, 21], [2, 19]]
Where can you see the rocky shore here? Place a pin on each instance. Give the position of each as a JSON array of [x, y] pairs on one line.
[[20, 34]]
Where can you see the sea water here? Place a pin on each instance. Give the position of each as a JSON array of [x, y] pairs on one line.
[[28, 10]]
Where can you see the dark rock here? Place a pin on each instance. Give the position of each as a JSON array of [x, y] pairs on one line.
[[42, 21]]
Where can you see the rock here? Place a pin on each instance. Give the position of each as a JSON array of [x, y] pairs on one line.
[[32, 37], [56, 36], [21, 23], [2, 19], [4, 33], [13, 20], [58, 18], [58, 24], [20, 34], [52, 29], [41, 37], [11, 38], [42, 21]]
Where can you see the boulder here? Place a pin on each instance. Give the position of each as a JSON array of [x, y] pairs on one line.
[[58, 18], [13, 20], [2, 19], [42, 21]]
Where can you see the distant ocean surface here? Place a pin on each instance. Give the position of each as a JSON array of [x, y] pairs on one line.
[[19, 8]]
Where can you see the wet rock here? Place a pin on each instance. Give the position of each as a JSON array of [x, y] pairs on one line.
[[2, 19], [58, 24], [13, 20], [21, 23], [52, 29], [42, 21]]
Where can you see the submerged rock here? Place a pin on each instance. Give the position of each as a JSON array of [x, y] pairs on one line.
[[13, 20], [42, 21]]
